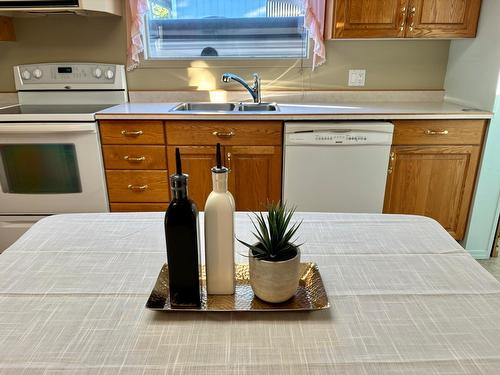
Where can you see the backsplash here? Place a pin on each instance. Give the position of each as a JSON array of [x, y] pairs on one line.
[[390, 64], [310, 96]]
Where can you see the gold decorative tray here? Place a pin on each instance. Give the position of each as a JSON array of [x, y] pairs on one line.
[[310, 295]]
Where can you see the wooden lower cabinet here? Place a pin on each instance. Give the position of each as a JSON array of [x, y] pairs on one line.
[[136, 165], [252, 150], [138, 207], [433, 181], [137, 186], [139, 156], [255, 175], [433, 167], [197, 162]]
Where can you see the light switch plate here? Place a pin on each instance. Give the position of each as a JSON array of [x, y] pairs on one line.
[[357, 77]]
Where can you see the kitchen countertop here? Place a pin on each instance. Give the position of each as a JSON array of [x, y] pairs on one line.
[[343, 111], [405, 299]]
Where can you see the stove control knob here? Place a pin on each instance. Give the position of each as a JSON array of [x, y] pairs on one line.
[[37, 73], [26, 74], [110, 74], [97, 72]]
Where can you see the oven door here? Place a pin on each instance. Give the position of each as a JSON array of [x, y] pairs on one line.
[[48, 168]]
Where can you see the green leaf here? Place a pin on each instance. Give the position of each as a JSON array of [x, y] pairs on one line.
[[274, 232]]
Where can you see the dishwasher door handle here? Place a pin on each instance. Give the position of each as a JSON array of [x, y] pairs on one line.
[[322, 131], [336, 131]]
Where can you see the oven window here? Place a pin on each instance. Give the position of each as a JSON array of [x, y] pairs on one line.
[[39, 169]]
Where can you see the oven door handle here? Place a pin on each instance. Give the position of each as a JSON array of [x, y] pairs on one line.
[[47, 128]]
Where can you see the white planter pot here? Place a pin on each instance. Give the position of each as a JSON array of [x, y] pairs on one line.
[[275, 282]]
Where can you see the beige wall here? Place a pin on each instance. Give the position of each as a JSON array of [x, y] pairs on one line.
[[390, 64]]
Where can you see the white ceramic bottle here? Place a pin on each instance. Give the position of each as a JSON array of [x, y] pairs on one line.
[[219, 233]]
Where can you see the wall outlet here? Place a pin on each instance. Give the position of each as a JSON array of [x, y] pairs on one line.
[[357, 77]]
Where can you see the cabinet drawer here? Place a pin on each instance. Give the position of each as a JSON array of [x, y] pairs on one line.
[[138, 186], [138, 207], [134, 157], [438, 132], [225, 132], [132, 132]]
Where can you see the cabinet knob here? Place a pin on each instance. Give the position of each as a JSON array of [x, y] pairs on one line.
[[224, 134], [138, 188], [133, 133], [134, 159]]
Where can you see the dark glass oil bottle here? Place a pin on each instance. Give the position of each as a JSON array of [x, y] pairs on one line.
[[183, 251]]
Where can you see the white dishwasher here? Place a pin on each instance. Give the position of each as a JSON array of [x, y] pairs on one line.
[[336, 166]]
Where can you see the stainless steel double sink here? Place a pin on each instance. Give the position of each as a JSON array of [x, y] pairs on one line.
[[225, 107]]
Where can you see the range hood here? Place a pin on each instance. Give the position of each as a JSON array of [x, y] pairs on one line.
[[18, 7]]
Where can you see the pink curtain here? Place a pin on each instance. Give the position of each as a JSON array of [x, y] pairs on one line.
[[315, 24], [135, 27]]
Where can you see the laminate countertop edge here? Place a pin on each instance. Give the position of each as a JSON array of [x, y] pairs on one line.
[[305, 112]]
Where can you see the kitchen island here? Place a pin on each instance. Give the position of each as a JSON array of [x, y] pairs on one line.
[[405, 299]]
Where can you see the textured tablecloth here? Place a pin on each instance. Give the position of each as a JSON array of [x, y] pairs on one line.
[[405, 298]]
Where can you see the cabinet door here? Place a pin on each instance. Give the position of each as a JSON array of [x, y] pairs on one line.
[[255, 175], [442, 18], [370, 18], [7, 29], [433, 181], [197, 161]]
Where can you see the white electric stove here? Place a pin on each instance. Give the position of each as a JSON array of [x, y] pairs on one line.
[[50, 155]]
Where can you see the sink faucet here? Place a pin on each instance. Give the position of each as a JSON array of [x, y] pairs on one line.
[[254, 90]]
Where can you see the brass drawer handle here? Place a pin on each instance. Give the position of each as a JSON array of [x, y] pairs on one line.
[[229, 169], [134, 133], [403, 19], [224, 134], [138, 188], [436, 132], [134, 159], [391, 163], [411, 18]]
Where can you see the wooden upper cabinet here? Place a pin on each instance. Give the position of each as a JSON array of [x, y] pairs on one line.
[[7, 29], [443, 18], [369, 18], [402, 18]]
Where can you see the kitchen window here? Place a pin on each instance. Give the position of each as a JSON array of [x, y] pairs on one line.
[[225, 29]]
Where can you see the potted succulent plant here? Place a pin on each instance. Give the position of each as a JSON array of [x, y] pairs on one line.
[[275, 259]]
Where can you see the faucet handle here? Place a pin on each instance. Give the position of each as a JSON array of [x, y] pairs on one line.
[[257, 88]]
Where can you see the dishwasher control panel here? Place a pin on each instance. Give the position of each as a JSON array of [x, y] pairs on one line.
[[338, 138]]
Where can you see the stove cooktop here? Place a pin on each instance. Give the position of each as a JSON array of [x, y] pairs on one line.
[[23, 113], [53, 109]]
